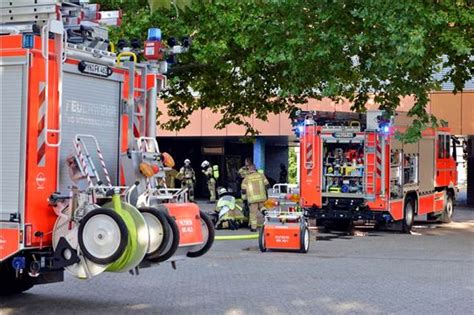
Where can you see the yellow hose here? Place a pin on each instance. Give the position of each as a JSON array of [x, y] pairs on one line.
[[236, 237], [125, 54], [112, 47]]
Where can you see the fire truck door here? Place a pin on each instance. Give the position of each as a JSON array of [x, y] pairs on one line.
[[13, 98], [13, 95], [310, 168], [91, 105]]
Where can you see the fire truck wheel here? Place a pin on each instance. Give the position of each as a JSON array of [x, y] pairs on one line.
[[304, 239], [261, 240], [158, 228], [103, 236], [409, 215], [447, 215], [173, 242], [208, 236], [10, 284]]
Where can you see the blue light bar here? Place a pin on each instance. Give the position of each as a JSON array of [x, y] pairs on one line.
[[384, 128], [300, 129], [154, 34]]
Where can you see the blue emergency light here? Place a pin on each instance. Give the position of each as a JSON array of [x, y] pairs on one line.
[[154, 34], [384, 128], [298, 129]]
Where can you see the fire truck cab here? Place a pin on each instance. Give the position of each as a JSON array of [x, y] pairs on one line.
[[354, 167]]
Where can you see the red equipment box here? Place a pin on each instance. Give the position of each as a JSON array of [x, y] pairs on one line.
[[188, 219], [282, 236]]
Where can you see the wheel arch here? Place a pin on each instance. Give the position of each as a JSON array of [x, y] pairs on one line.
[[451, 192], [413, 195]]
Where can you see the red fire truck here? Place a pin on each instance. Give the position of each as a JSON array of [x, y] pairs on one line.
[[62, 85], [353, 167]]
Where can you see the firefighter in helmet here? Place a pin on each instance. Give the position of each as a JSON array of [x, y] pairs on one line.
[[212, 175], [245, 170], [254, 190], [188, 178]]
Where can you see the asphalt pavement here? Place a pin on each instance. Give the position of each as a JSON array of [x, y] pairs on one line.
[[371, 272]]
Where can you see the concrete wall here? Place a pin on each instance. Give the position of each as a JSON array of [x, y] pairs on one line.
[[457, 109]]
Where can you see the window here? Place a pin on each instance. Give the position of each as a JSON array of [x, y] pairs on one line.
[[410, 169], [440, 146], [447, 149]]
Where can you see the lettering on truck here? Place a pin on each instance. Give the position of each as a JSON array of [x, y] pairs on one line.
[[89, 114]]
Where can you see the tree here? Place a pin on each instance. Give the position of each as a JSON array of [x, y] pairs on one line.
[[259, 57], [292, 166]]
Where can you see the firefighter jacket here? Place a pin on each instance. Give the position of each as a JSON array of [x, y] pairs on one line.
[[171, 175], [211, 172], [187, 173], [244, 171], [254, 187]]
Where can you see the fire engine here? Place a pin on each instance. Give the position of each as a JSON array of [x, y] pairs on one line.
[[82, 176], [354, 167]]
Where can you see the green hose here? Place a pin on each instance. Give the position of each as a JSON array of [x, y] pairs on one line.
[[131, 248], [135, 249], [236, 237]]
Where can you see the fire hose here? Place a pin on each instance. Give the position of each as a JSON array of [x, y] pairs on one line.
[[252, 236], [134, 250]]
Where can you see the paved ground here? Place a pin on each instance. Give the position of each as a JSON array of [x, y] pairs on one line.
[[430, 272]]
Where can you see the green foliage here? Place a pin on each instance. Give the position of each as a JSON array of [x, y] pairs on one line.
[[167, 4], [260, 57], [292, 166]]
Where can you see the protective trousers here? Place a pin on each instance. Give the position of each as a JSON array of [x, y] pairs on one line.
[[254, 208], [211, 185], [189, 184]]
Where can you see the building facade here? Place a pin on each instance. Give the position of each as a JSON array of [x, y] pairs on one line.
[[225, 147]]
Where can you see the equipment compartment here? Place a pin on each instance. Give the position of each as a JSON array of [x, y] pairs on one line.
[[343, 168]]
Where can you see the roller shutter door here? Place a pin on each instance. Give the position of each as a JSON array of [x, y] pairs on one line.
[[90, 106]]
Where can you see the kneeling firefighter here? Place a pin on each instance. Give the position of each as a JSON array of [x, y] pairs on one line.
[[212, 175], [254, 190], [229, 211]]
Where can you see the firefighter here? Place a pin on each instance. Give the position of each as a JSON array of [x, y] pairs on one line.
[[188, 178], [254, 190], [242, 172], [212, 175], [171, 176], [245, 170]]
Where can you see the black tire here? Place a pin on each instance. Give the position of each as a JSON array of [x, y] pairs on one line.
[[261, 240], [408, 215], [166, 230], [173, 242], [210, 239], [10, 284], [447, 215], [304, 236], [123, 236]]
